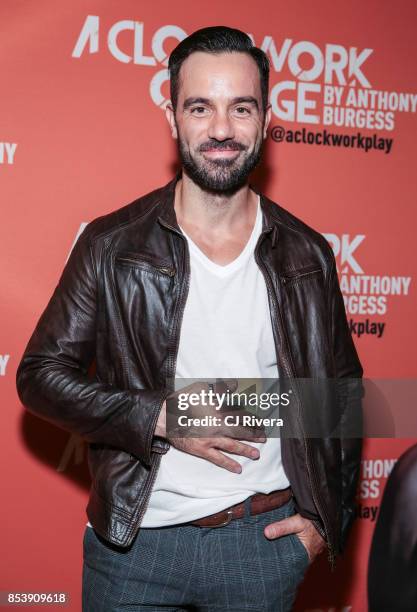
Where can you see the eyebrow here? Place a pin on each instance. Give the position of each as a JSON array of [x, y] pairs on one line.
[[239, 100], [246, 100], [190, 101]]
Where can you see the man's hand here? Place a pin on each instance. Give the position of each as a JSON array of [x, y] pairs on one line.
[[217, 438], [304, 530]]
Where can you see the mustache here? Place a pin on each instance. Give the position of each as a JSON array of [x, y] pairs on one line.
[[225, 145]]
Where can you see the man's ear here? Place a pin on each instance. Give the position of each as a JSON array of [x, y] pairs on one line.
[[268, 114], [170, 115]]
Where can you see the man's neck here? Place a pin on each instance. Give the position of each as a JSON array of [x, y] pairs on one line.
[[214, 214]]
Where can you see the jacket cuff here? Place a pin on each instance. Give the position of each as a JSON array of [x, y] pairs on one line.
[[142, 424], [152, 441]]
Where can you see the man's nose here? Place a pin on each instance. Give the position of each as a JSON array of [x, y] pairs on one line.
[[221, 126]]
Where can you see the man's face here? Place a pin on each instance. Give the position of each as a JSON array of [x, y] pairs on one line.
[[219, 121]]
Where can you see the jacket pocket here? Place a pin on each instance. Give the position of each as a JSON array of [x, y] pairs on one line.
[[148, 264], [305, 273]]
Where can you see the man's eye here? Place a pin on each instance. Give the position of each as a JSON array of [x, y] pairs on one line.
[[198, 110], [242, 110]]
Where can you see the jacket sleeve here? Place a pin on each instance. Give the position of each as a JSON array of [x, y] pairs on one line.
[[348, 380], [52, 377]]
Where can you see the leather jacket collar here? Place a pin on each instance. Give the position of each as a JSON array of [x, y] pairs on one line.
[[168, 217]]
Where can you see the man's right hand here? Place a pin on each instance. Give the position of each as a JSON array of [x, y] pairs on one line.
[[216, 438]]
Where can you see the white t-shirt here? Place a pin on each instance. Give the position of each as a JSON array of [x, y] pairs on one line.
[[226, 333]]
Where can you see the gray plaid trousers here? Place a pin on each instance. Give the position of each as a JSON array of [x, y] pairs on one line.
[[200, 569]]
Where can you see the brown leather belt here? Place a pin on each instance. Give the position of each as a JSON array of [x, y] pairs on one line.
[[260, 502]]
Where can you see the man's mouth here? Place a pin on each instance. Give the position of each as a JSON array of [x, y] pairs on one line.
[[216, 153], [225, 150]]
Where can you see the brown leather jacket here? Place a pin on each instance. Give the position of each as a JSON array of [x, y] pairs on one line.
[[119, 303]]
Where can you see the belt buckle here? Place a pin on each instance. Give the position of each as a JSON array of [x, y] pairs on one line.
[[227, 521]]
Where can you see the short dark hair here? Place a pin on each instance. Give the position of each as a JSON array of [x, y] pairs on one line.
[[217, 39]]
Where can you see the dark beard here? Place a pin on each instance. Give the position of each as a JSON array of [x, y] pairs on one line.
[[219, 175]]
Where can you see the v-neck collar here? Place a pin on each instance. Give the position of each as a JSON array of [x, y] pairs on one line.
[[234, 265]]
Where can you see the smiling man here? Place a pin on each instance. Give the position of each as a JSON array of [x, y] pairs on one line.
[[202, 278]]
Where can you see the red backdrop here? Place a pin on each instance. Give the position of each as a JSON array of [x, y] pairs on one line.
[[82, 133]]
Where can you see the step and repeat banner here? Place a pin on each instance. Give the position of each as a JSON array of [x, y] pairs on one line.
[[83, 132]]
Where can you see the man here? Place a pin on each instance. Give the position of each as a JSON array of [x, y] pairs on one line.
[[204, 278]]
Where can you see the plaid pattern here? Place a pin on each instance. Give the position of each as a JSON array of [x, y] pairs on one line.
[[201, 569]]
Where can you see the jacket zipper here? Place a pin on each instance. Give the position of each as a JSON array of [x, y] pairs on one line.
[[172, 360], [290, 374], [121, 333]]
